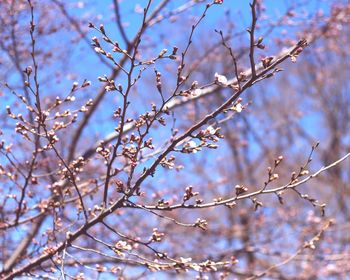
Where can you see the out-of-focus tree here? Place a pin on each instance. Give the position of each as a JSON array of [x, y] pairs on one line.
[[162, 139]]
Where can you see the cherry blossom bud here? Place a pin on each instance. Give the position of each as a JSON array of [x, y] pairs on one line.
[[221, 80]]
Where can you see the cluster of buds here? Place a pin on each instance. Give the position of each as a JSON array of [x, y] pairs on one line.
[[123, 245], [49, 250], [156, 236], [161, 120], [189, 193], [242, 77], [266, 61], [132, 139], [116, 48], [97, 46], [158, 81], [52, 138], [28, 70], [120, 247], [7, 148], [86, 83], [180, 77], [162, 53], [168, 163], [119, 186], [143, 119], [148, 144], [256, 203], [45, 204], [74, 88], [221, 80], [130, 152], [12, 115], [77, 165], [58, 102], [111, 86], [192, 91], [99, 268], [163, 203], [301, 45], [60, 125], [272, 176], [117, 113], [259, 44], [22, 129], [42, 116], [174, 52], [95, 210], [64, 114], [240, 190], [84, 108], [210, 133], [237, 106], [190, 147], [103, 151], [201, 223]]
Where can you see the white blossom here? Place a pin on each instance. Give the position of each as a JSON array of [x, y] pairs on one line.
[[221, 79]]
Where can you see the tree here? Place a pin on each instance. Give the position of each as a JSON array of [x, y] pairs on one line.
[[183, 149]]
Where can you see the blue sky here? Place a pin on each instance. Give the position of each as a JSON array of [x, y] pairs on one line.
[[87, 66]]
